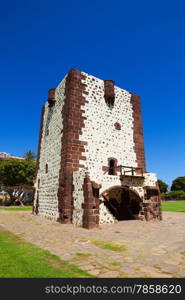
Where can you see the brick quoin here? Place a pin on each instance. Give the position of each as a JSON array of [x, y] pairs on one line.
[[138, 132], [72, 148], [91, 205]]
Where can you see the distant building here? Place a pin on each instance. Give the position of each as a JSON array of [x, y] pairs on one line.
[[91, 162], [4, 155]]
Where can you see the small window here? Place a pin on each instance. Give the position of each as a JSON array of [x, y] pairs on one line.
[[112, 165], [46, 168], [117, 126]]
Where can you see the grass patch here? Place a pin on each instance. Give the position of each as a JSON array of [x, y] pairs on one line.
[[115, 263], [107, 266], [175, 206], [113, 266], [20, 259], [16, 208], [108, 246]]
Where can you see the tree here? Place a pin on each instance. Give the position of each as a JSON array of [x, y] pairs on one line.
[[162, 186], [178, 184], [15, 174], [30, 155]]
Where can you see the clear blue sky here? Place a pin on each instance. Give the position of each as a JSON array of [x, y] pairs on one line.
[[139, 44]]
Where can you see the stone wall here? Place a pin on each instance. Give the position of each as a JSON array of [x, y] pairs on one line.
[[110, 132], [72, 147], [103, 139], [78, 196], [47, 181], [78, 200]]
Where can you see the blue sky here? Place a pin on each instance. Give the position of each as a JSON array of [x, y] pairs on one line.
[[138, 44]]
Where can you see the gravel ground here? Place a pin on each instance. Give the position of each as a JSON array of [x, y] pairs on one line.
[[148, 249]]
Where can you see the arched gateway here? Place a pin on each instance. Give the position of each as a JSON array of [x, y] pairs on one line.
[[123, 203]]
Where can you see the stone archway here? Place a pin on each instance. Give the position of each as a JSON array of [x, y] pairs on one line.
[[123, 203]]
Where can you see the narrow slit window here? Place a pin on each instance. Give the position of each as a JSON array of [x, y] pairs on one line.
[[112, 165]]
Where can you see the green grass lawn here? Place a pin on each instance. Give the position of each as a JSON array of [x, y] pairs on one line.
[[176, 206], [20, 259], [16, 208]]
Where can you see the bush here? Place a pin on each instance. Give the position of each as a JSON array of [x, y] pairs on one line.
[[178, 184], [175, 195]]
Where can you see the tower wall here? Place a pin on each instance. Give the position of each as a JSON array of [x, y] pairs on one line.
[[104, 141], [86, 125], [51, 131], [112, 129]]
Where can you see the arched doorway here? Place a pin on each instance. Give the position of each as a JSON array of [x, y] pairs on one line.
[[123, 203]]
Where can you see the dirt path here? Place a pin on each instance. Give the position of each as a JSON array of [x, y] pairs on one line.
[[147, 249]]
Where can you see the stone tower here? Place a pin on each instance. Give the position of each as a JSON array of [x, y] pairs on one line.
[[91, 162]]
